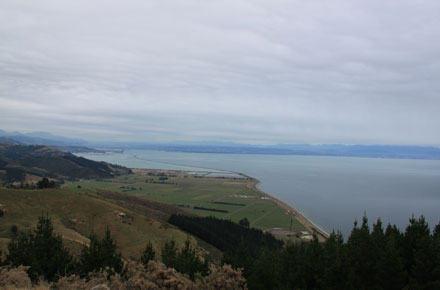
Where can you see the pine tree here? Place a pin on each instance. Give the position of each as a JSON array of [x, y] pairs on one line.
[[360, 257], [185, 260], [244, 222], [333, 263], [100, 255], [391, 264], [169, 254], [42, 251], [148, 254], [265, 271], [188, 262], [418, 247], [111, 255], [436, 246]]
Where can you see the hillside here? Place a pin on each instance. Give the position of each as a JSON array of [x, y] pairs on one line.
[[26, 164], [77, 213]]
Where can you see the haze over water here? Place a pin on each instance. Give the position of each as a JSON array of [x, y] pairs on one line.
[[331, 191]]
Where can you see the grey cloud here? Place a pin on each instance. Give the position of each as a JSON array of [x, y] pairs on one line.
[[246, 71]]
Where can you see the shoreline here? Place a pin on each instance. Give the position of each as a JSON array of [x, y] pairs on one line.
[[312, 227]]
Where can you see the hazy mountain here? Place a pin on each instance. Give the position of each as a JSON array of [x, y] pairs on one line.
[[373, 151], [42, 138]]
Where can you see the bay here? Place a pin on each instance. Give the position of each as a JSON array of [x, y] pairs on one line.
[[331, 191]]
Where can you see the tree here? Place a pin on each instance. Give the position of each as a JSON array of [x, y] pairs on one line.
[[100, 255], [361, 257], [42, 251], [45, 183], [169, 254], [148, 254], [244, 222], [185, 261], [188, 262], [261, 275], [418, 252]]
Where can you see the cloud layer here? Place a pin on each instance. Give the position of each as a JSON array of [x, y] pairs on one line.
[[246, 71]]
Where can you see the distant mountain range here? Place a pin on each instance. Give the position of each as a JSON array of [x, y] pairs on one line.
[[42, 138], [29, 163], [371, 151]]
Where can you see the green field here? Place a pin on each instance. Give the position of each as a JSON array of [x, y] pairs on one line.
[[237, 197]]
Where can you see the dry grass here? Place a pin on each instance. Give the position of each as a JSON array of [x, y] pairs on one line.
[[157, 276]]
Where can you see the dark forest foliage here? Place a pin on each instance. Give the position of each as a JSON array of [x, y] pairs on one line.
[[225, 234], [371, 258], [45, 183]]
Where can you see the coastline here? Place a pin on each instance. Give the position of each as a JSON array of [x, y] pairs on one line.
[[310, 226], [305, 221]]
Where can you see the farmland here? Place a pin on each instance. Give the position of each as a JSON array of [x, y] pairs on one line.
[[229, 198]]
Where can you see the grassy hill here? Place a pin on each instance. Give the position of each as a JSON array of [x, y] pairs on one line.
[[26, 164], [77, 213]]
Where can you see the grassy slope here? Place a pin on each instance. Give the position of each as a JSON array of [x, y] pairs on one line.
[[202, 192], [76, 213]]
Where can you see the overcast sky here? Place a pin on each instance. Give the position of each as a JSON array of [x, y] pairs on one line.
[[263, 72]]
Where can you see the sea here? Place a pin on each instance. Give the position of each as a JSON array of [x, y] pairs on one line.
[[333, 192]]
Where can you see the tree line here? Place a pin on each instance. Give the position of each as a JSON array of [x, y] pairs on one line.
[[226, 235], [371, 258]]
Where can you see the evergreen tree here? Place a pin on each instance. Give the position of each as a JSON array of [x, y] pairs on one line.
[[42, 251], [391, 265], [334, 272], [185, 261], [360, 257], [436, 246], [244, 222], [169, 254], [240, 258], [292, 266], [45, 183], [419, 246], [111, 256], [100, 255], [265, 271], [148, 254], [188, 262]]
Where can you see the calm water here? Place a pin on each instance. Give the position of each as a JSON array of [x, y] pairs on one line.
[[331, 191]]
